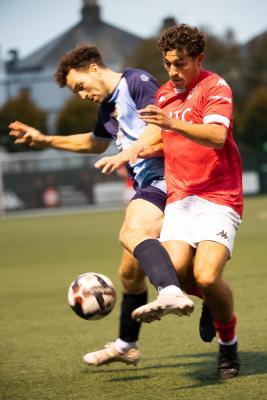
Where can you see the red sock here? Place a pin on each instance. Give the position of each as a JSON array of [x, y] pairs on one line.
[[226, 331], [195, 291]]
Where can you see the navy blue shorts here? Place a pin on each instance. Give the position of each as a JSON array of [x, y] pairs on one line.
[[152, 194]]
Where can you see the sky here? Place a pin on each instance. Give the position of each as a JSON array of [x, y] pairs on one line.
[[28, 24]]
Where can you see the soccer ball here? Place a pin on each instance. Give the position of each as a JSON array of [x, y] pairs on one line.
[[92, 296]]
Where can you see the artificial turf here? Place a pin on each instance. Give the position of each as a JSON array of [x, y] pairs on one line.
[[43, 341]]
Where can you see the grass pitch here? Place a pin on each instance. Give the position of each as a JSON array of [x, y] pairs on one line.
[[43, 341]]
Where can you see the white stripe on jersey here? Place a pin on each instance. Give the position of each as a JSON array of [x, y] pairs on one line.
[[213, 118]]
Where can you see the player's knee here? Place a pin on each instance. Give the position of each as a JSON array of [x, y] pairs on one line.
[[131, 282], [134, 287], [124, 238], [205, 275], [130, 237], [206, 280], [125, 274]]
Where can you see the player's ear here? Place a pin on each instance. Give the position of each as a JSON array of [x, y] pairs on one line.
[[200, 59], [95, 70]]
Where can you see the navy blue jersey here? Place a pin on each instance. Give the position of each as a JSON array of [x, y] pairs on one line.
[[119, 120]]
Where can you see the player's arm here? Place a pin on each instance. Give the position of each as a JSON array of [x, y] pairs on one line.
[[155, 150], [83, 142], [148, 145], [211, 135]]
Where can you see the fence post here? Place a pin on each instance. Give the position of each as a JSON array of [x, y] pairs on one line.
[[2, 206]]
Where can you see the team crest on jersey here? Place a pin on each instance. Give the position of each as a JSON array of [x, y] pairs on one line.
[[115, 113], [161, 99], [221, 82], [144, 77]]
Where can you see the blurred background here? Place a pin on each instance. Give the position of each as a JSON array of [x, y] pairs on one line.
[[33, 35]]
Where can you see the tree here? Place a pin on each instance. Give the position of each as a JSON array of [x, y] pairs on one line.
[[222, 55], [255, 53], [254, 122], [148, 57], [76, 116], [22, 108]]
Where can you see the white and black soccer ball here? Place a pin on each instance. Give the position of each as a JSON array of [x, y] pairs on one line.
[[92, 296]]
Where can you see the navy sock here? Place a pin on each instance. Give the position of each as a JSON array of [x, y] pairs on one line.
[[129, 328], [156, 263]]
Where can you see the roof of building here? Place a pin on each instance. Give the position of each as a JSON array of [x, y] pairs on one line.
[[114, 44]]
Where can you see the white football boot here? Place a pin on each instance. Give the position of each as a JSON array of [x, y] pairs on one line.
[[110, 354], [166, 303]]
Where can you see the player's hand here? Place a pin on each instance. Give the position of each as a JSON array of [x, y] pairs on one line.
[[26, 134], [156, 116], [107, 165], [155, 150]]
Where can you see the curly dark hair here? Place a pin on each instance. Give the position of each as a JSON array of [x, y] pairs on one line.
[[182, 37], [79, 57]]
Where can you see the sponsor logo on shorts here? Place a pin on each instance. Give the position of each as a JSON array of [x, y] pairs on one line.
[[223, 234]]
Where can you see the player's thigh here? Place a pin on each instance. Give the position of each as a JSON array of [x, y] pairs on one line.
[[131, 275], [143, 216], [181, 254], [209, 263]]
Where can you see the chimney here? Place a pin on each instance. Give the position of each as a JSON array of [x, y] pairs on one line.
[[90, 12], [168, 22], [13, 60]]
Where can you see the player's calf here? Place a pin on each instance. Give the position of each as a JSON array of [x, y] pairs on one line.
[[207, 329]]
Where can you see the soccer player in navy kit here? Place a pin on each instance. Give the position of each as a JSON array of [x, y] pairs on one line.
[[120, 96]]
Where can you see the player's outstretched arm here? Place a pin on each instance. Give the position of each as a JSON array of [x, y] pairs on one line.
[[148, 145], [83, 142]]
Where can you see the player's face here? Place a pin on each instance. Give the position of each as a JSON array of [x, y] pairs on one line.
[[182, 68], [88, 83]]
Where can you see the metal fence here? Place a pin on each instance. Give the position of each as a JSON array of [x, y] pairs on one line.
[[59, 180], [54, 179]]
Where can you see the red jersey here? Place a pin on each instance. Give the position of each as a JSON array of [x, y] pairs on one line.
[[192, 168]]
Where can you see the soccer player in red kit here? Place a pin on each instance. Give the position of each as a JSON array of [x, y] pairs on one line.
[[204, 181]]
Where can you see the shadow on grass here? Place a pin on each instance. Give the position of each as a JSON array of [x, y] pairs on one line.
[[200, 367], [129, 378]]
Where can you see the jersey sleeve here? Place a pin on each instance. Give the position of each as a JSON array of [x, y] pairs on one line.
[[106, 127], [143, 88], [217, 103]]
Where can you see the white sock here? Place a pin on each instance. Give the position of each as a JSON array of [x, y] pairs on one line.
[[233, 341], [121, 345], [171, 289]]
